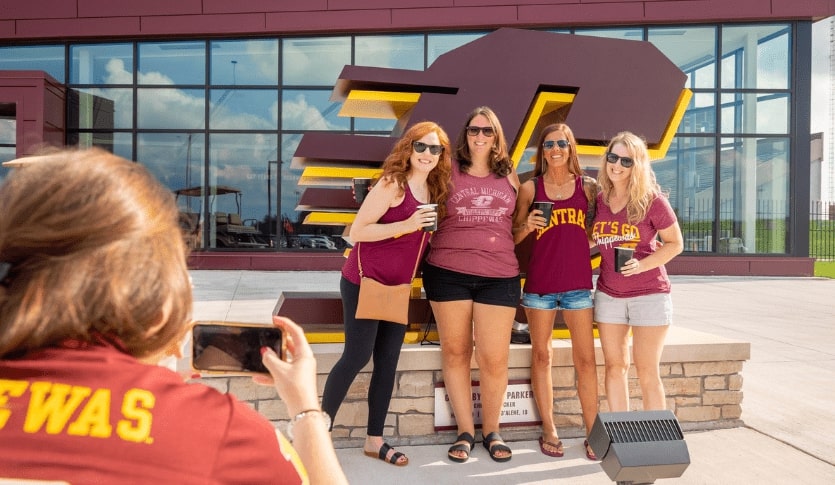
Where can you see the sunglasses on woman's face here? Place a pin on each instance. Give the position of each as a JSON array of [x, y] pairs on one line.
[[625, 162], [485, 130], [550, 144], [421, 147]]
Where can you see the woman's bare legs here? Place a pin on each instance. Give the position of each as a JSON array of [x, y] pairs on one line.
[[614, 338], [647, 345], [455, 331], [493, 325], [580, 326], [541, 328]]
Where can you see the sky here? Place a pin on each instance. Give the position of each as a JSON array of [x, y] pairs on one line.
[[821, 120]]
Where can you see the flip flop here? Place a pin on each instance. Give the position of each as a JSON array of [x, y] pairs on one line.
[[589, 452], [384, 450], [557, 445], [493, 449], [467, 448]]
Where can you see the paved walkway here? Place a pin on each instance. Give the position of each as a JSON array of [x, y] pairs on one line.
[[789, 385]]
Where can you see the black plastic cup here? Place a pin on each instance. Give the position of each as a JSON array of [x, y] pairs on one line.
[[545, 207], [434, 226], [622, 255], [361, 187]]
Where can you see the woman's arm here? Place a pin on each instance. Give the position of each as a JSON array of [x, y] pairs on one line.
[[525, 222], [384, 195], [673, 245]]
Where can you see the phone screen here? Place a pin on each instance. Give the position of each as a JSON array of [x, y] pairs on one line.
[[233, 347]]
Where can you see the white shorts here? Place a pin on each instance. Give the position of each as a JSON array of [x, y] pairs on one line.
[[639, 311]]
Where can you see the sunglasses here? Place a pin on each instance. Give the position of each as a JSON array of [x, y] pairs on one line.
[[421, 147], [549, 145], [485, 130], [625, 162]]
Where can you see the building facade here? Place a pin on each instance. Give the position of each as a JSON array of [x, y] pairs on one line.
[[214, 99]]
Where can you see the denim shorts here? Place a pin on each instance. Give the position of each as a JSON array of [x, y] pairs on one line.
[[567, 300], [445, 285], [639, 311]]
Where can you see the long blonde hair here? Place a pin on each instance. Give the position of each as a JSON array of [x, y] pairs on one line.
[[642, 187], [94, 251]]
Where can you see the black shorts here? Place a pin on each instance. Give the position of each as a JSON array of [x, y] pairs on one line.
[[445, 285]]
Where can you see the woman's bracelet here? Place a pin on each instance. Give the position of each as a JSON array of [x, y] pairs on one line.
[[304, 414]]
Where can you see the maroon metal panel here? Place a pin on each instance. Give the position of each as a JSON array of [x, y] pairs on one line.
[[249, 6], [78, 28], [455, 17], [7, 28], [399, 4], [707, 10], [38, 9], [116, 8], [817, 9], [196, 24], [341, 21], [582, 13]]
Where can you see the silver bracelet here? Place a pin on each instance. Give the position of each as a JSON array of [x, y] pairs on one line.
[[304, 414]]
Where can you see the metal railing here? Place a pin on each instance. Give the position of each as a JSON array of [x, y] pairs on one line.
[[822, 229]]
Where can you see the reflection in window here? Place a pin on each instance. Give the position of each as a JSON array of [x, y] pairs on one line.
[[244, 62], [239, 168], [754, 195], [314, 61], [626, 34], [311, 110], [439, 44], [243, 109], [700, 116], [170, 108], [758, 57], [47, 58], [395, 51], [101, 64], [692, 49], [755, 113], [687, 173], [120, 144], [99, 108], [171, 63]]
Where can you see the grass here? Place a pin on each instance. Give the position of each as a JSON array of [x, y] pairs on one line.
[[825, 269]]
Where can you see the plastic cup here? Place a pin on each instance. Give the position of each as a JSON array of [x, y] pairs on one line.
[[622, 255], [434, 226], [545, 207], [361, 187]]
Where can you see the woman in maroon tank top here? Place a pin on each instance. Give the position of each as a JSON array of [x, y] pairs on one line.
[[559, 275]]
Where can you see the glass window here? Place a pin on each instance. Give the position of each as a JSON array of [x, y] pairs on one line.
[[99, 108], [171, 63], [700, 116], [753, 191], [396, 51], [374, 124], [692, 49], [170, 108], [243, 109], [311, 110], [120, 144], [176, 159], [627, 34], [239, 168], [244, 62], [755, 113], [687, 173], [47, 58], [101, 64], [439, 44], [314, 61], [761, 56]]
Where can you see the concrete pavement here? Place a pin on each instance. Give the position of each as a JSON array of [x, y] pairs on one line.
[[789, 385]]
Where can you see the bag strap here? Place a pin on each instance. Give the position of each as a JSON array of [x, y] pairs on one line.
[[417, 260]]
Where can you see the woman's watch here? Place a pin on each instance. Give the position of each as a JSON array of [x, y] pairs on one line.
[[307, 412]]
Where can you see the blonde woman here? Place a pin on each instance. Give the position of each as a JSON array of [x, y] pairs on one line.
[[633, 213]]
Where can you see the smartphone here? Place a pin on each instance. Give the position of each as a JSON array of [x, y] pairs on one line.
[[224, 348], [622, 255]]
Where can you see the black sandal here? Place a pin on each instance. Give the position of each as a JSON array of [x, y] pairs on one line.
[[467, 448], [384, 450], [493, 449]]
